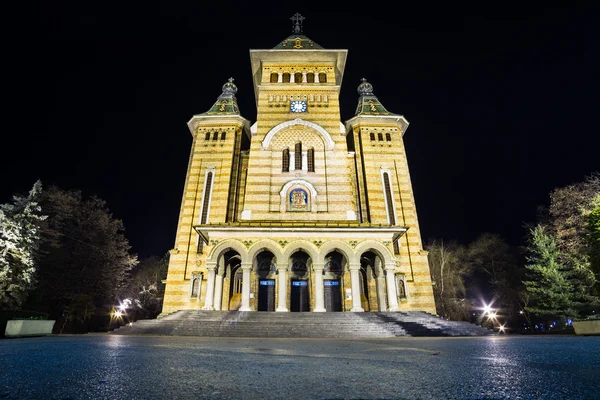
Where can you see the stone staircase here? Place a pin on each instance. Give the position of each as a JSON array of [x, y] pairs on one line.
[[301, 325]]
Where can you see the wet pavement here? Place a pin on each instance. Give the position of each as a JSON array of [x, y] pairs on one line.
[[103, 366]]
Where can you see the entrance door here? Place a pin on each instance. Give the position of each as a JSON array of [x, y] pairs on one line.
[[333, 295], [266, 295], [299, 300]]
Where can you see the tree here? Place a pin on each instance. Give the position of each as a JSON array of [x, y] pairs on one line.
[[497, 260], [448, 272], [19, 242], [569, 217], [593, 239], [84, 258], [143, 295], [547, 286]]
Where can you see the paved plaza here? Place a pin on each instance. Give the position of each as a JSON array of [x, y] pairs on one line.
[[104, 366]]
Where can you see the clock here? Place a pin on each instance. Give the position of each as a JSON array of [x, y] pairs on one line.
[[298, 106]]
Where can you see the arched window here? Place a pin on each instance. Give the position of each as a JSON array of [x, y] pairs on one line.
[[298, 156], [207, 192], [298, 77], [285, 160], [207, 136], [380, 137], [215, 135], [310, 77], [286, 77], [388, 198], [400, 287], [195, 287], [223, 135], [274, 77], [322, 77], [388, 137], [310, 155], [372, 136]]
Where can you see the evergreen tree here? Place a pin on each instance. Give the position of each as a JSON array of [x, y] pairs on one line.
[[84, 262], [19, 242], [546, 284], [593, 237]]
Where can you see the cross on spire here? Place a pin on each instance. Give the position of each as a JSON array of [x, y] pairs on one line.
[[231, 80], [297, 20]]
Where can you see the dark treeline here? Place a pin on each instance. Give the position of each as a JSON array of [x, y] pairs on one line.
[[554, 277], [69, 257], [66, 255]]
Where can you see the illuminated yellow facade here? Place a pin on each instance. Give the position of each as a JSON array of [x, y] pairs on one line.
[[298, 211]]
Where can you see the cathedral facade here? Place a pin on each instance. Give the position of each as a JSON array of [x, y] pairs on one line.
[[298, 211]]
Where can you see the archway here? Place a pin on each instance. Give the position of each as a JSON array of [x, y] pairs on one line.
[[266, 271], [300, 263], [333, 282], [231, 275], [372, 288]]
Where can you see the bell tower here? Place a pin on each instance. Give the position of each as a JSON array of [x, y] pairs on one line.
[[384, 188], [298, 136]]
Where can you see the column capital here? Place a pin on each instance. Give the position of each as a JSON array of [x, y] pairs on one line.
[[246, 265], [282, 267], [211, 266], [390, 266], [354, 266]]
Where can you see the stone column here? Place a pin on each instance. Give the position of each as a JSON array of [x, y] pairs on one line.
[[282, 288], [210, 287], [319, 291], [218, 290], [246, 268], [390, 280], [317, 77], [355, 281], [279, 77], [304, 77], [382, 306]]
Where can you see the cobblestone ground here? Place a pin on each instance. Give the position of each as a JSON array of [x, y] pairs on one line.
[[103, 366]]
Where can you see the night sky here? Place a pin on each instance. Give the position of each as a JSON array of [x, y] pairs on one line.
[[502, 99]]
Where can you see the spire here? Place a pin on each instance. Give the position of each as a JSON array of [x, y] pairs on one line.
[[297, 41], [368, 104], [226, 103]]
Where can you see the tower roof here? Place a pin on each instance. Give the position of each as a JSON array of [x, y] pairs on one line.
[[226, 103], [368, 104], [297, 40]]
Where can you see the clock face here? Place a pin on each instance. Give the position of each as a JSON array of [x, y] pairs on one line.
[[298, 106]]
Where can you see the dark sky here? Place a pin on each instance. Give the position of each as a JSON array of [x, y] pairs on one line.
[[502, 99]]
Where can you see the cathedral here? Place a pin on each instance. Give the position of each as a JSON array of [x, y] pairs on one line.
[[298, 211]]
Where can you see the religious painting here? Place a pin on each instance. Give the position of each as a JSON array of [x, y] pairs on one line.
[[298, 200]]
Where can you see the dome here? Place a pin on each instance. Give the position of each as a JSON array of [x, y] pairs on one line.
[[365, 88], [229, 87]]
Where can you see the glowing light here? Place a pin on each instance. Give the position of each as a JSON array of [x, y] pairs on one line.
[[118, 314], [487, 309], [521, 312], [492, 314], [501, 328]]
